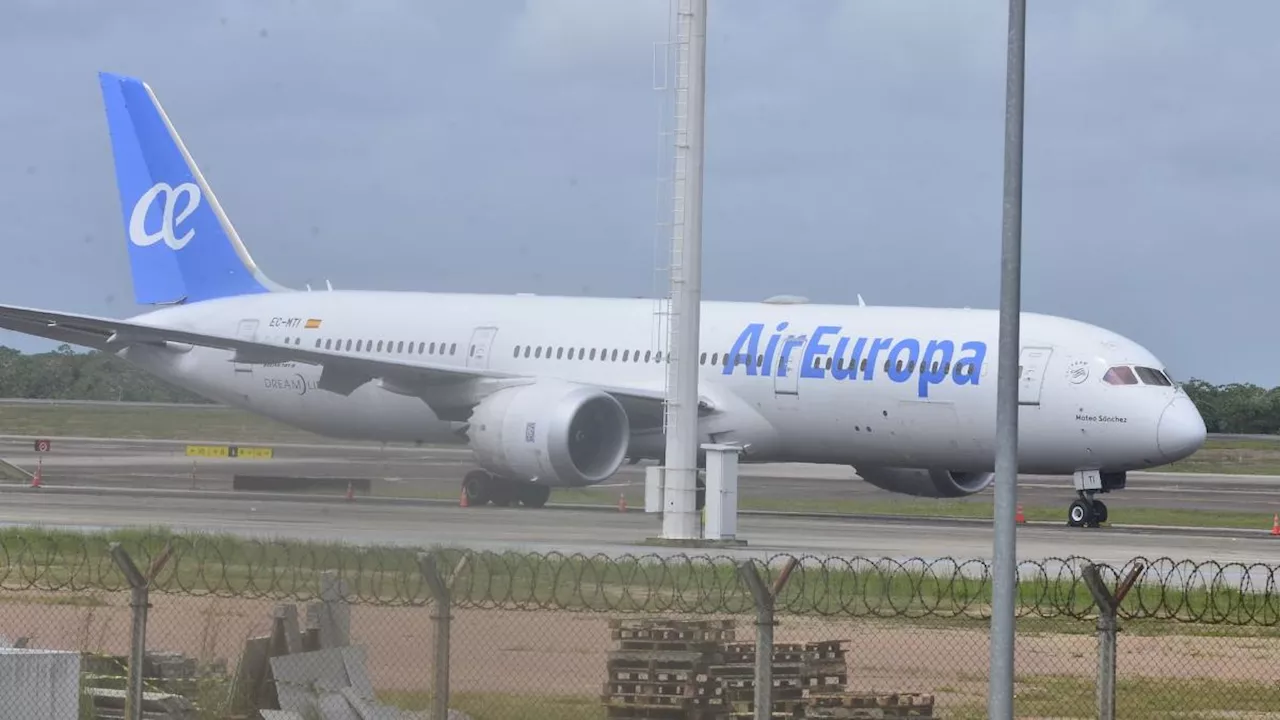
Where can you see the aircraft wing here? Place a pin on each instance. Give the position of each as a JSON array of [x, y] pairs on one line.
[[341, 373]]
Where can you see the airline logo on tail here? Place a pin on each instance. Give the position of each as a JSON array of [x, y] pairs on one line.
[[167, 232]]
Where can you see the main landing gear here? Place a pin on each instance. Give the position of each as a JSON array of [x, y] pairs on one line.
[[1086, 511], [480, 487]]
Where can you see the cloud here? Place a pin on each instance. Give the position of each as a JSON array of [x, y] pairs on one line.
[[513, 145]]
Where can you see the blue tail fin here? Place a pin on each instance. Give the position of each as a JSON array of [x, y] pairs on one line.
[[182, 247]]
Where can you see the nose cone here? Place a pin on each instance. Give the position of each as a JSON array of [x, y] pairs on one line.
[[1181, 430]]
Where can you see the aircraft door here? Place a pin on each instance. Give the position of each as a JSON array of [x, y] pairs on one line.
[[786, 376], [481, 343], [247, 330], [1031, 368]]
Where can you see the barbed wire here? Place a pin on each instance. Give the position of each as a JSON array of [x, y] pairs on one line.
[[1206, 592]]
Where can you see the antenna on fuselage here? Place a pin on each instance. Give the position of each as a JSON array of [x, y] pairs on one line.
[[861, 302]]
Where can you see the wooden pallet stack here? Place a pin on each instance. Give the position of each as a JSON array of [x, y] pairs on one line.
[[695, 670], [871, 706], [800, 670], [660, 669]]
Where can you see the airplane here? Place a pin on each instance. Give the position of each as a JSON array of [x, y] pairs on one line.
[[559, 391]]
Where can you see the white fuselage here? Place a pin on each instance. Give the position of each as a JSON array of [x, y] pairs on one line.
[[1070, 418]]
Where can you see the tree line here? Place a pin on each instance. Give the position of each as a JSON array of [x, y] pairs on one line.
[[64, 374]]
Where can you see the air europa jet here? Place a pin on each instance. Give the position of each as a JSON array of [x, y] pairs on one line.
[[560, 391]]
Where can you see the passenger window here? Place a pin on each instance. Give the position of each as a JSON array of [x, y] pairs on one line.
[[348, 346], [648, 355], [453, 348], [538, 353], [715, 358], [1151, 376], [328, 344], [614, 356], [559, 353], [422, 348], [1120, 375], [593, 354], [516, 354], [400, 346], [702, 360], [625, 354]]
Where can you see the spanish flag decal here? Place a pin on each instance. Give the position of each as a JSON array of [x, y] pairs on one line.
[[313, 324]]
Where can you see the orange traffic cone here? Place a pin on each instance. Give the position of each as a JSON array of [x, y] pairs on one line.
[[35, 479], [351, 494], [462, 501], [1020, 518], [622, 502], [1275, 524]]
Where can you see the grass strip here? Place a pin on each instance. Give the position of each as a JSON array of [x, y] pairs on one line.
[[951, 590]]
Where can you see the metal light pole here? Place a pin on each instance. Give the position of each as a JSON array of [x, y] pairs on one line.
[[680, 513], [1004, 565]]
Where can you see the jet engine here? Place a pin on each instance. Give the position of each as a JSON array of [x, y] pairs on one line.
[[558, 433], [922, 482]]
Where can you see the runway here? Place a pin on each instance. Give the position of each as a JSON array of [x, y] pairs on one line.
[[129, 474], [437, 472], [578, 531]]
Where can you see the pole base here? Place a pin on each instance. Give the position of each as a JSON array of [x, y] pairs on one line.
[[694, 542]]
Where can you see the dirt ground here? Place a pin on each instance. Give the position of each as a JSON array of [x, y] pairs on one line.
[[548, 653]]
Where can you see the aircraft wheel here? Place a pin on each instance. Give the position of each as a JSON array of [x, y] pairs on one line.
[[1078, 514], [534, 496], [475, 485], [504, 492], [1099, 511]]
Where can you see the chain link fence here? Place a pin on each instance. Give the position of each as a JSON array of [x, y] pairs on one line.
[[282, 631]]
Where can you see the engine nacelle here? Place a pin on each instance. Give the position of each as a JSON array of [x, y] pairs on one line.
[[921, 482], [558, 433]]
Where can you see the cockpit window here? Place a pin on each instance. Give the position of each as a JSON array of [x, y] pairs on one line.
[[1151, 376], [1120, 375]]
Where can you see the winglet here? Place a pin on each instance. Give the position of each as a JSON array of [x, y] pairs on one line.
[[182, 246]]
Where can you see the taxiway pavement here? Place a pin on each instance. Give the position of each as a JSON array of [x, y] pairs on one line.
[[438, 472], [581, 531]]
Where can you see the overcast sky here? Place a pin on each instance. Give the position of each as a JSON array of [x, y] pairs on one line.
[[853, 146]]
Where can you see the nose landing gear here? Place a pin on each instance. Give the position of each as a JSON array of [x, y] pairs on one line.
[[1087, 511]]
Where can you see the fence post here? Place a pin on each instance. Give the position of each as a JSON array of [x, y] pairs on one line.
[[139, 601], [442, 594], [1108, 628], [764, 599]]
